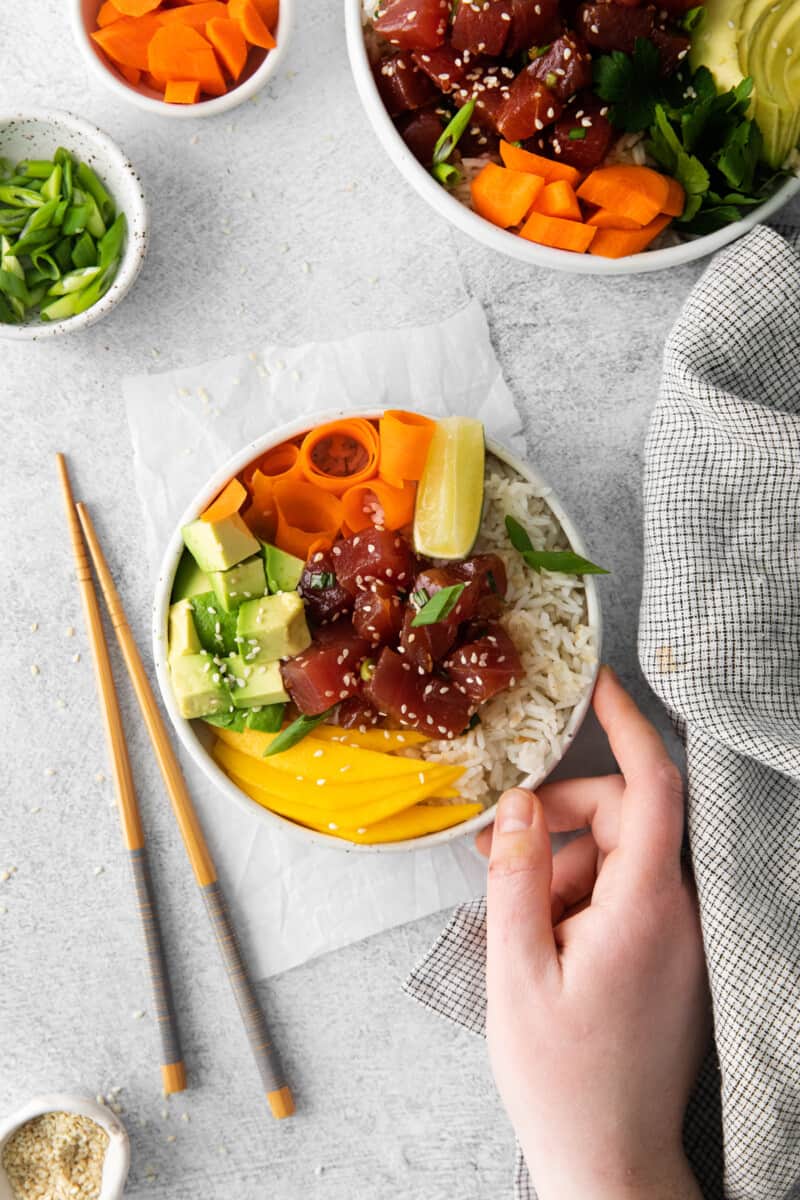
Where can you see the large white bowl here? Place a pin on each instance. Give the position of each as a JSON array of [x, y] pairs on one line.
[[261, 66], [196, 737], [509, 243], [38, 134]]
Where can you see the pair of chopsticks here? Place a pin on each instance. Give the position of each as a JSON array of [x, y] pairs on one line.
[[173, 1071]]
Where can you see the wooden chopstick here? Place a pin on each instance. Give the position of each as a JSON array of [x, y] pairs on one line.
[[261, 1045], [173, 1072]]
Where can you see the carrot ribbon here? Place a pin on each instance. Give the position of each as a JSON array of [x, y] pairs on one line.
[[228, 502], [340, 454], [378, 503], [305, 513], [405, 438]]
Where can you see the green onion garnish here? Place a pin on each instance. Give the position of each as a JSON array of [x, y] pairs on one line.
[[448, 139], [295, 733], [321, 580], [565, 562], [440, 605], [577, 135]]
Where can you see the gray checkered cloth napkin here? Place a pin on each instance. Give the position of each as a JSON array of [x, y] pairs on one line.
[[720, 644]]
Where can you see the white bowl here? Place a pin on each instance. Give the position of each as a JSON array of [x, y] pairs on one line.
[[196, 737], [261, 66], [118, 1152], [500, 239], [38, 134]]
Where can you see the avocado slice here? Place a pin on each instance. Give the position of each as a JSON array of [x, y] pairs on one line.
[[715, 43], [257, 683], [242, 582], [217, 545], [273, 627], [183, 637], [283, 570], [199, 686], [189, 579]]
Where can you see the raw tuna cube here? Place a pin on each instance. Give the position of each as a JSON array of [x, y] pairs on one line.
[[489, 87], [482, 26], [425, 645], [325, 598], [417, 700], [414, 24], [583, 135], [529, 108], [378, 613], [613, 26], [533, 23], [445, 67], [672, 48], [327, 672], [483, 668], [375, 554], [357, 713], [421, 131], [489, 574], [564, 67], [402, 86]]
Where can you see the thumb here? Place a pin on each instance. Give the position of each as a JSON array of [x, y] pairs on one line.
[[519, 926]]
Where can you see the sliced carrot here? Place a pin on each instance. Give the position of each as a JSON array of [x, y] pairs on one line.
[[605, 219], [305, 513], [618, 243], [179, 52], [229, 42], [340, 454], [194, 14], [126, 41], [268, 11], [525, 160], [280, 462], [132, 74], [676, 199], [504, 196], [136, 8], [558, 199], [558, 233], [636, 192], [150, 81], [261, 514], [405, 438], [228, 502], [182, 91], [378, 503], [247, 16], [107, 14]]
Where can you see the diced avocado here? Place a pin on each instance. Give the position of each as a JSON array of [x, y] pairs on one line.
[[199, 686], [217, 545], [267, 719], [242, 582], [189, 579], [183, 637], [215, 627], [255, 682], [273, 627], [283, 570]]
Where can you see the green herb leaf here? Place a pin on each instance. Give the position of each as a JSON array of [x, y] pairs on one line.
[[440, 605], [692, 19], [448, 139], [216, 628], [295, 733], [630, 83], [267, 719], [564, 561]]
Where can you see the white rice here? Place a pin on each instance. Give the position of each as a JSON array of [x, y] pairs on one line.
[[546, 619]]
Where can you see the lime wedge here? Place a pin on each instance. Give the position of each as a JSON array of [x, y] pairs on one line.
[[447, 516]]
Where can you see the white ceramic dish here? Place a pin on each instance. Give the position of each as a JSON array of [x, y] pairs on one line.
[[261, 66], [509, 243], [38, 134], [118, 1154], [195, 737]]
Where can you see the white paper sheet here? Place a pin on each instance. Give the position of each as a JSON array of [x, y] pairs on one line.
[[294, 901]]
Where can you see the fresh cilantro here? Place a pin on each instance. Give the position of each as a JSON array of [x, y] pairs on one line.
[[564, 561], [267, 719], [631, 85]]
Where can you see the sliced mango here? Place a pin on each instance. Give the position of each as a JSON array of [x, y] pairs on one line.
[[385, 740], [411, 823]]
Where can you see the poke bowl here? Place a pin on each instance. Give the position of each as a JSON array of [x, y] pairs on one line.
[[611, 138], [367, 625]]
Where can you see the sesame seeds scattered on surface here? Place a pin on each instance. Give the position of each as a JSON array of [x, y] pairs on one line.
[[139, 1014], [35, 670], [98, 871], [76, 658], [49, 771], [34, 626]]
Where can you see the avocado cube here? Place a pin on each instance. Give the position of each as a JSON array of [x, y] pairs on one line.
[[189, 579], [255, 683], [217, 545], [273, 627], [242, 582], [183, 637], [283, 570], [200, 688]]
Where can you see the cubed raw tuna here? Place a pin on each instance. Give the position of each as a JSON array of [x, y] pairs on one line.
[[421, 131], [417, 700], [325, 598], [482, 26], [328, 671], [374, 554], [564, 67], [483, 668], [530, 107], [672, 48], [445, 67], [378, 613], [533, 23], [489, 88], [613, 26], [488, 572], [583, 134], [425, 645], [414, 24], [357, 713], [402, 86]]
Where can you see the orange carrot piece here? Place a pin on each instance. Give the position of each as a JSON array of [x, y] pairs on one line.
[[558, 199], [261, 515], [525, 160], [194, 14], [280, 462], [340, 454], [182, 91], [228, 502], [605, 219], [268, 11], [126, 41], [229, 42], [618, 243], [247, 16], [150, 81], [405, 438], [107, 14], [558, 233], [132, 74], [504, 196], [305, 514], [378, 503], [636, 192], [179, 52], [136, 8], [676, 199]]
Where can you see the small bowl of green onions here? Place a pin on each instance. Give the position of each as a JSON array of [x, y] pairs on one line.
[[73, 224]]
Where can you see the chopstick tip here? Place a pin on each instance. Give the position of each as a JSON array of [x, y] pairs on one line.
[[281, 1103]]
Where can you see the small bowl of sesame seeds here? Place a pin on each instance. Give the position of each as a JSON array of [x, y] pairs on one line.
[[63, 1145]]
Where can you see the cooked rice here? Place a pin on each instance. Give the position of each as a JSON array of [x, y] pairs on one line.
[[546, 618]]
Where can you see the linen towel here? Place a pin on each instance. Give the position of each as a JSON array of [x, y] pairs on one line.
[[719, 642]]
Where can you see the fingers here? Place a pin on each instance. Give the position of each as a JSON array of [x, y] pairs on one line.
[[519, 928], [574, 874], [585, 803]]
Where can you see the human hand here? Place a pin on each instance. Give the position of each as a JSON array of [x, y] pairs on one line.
[[598, 1011]]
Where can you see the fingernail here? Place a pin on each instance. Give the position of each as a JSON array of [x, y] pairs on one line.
[[515, 811]]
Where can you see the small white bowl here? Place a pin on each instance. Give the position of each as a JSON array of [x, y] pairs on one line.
[[38, 134], [196, 737], [118, 1152], [261, 66], [500, 239]]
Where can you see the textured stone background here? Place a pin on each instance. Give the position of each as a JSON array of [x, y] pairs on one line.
[[393, 1103]]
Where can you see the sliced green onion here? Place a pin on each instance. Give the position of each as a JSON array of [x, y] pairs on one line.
[[449, 137], [91, 184], [74, 281], [51, 189], [446, 174], [295, 733], [36, 168], [567, 562], [440, 605], [577, 135], [21, 197], [84, 252]]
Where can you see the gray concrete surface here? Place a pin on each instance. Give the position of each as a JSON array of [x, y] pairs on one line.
[[393, 1104]]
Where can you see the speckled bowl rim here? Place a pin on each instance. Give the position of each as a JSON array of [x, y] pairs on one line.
[[194, 744], [500, 239], [136, 214], [184, 112]]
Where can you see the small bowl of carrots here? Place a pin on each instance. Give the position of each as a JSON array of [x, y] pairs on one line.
[[183, 58]]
